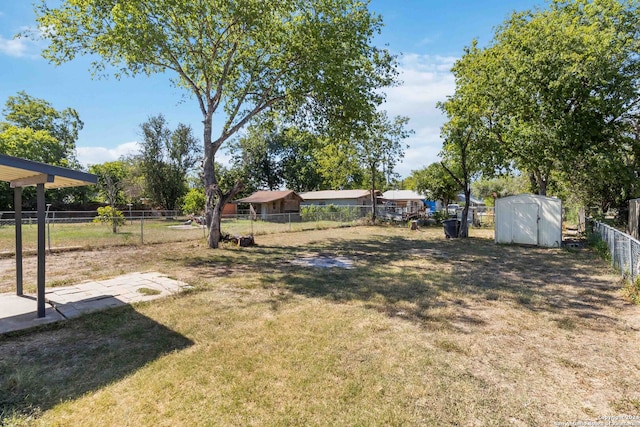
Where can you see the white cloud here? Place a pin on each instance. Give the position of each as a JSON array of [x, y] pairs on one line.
[[426, 81], [97, 155], [18, 48], [28, 44]]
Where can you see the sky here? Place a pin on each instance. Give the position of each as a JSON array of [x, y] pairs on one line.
[[426, 35]]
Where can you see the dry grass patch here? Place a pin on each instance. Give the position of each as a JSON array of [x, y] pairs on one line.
[[421, 331]]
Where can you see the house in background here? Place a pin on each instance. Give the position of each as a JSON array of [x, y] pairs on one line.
[[268, 204], [474, 202], [405, 203], [338, 197], [230, 209]]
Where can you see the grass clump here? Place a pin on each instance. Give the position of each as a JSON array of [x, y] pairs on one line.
[[148, 291]]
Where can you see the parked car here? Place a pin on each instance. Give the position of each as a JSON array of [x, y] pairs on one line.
[[452, 208]]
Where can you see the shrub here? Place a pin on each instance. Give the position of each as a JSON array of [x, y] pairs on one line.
[[110, 215], [193, 202], [330, 213]]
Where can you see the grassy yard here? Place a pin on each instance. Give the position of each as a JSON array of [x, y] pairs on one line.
[[420, 331], [152, 230]]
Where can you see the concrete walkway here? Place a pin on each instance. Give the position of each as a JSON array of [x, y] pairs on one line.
[[66, 302]]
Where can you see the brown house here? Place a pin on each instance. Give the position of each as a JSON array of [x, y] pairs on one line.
[[268, 204]]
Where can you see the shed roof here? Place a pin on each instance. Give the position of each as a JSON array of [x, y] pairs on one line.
[[335, 194], [526, 196], [22, 173], [267, 196]]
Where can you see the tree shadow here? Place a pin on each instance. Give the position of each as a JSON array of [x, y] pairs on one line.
[[64, 361], [443, 281], [437, 280]]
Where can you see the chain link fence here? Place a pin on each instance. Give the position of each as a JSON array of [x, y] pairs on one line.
[[72, 229], [623, 249]]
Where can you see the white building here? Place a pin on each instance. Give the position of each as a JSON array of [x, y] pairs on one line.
[[529, 219]]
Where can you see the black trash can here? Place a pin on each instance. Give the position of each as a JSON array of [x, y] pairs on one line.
[[450, 227]]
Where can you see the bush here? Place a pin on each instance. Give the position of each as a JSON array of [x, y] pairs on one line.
[[109, 215], [330, 213], [440, 215], [193, 202]]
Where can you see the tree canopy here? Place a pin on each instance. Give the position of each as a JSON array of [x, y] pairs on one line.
[[435, 182], [313, 61], [166, 158], [33, 129], [555, 96]]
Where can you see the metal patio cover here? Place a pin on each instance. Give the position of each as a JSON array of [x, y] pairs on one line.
[[24, 173]]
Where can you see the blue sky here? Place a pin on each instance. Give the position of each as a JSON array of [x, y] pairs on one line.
[[428, 35]]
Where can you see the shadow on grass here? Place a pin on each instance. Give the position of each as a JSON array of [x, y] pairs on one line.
[[432, 280], [64, 361], [435, 280]]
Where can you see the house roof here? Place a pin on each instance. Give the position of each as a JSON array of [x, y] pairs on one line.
[[402, 195], [267, 196], [473, 199], [22, 173], [335, 194]]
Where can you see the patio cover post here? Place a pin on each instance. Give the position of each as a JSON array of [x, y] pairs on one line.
[[25, 173], [17, 202], [41, 249]]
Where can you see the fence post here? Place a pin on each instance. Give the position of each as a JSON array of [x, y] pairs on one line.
[[289, 221], [142, 228], [613, 249], [629, 258]]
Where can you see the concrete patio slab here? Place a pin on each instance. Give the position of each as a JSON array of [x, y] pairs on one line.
[[19, 312]]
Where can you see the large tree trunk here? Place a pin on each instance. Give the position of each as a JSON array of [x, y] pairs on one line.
[[212, 191], [215, 198], [214, 229], [220, 199], [464, 226], [542, 183]]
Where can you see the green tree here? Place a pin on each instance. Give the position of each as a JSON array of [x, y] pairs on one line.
[[134, 185], [257, 154], [34, 130], [299, 160], [167, 157], [26, 112], [501, 186], [273, 156], [379, 147], [469, 147], [435, 182], [194, 201], [111, 179], [556, 83], [338, 165], [314, 61], [110, 215]]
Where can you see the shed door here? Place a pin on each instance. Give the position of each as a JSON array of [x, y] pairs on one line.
[[524, 229]]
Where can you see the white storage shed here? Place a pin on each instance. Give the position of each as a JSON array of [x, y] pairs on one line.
[[529, 219]]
